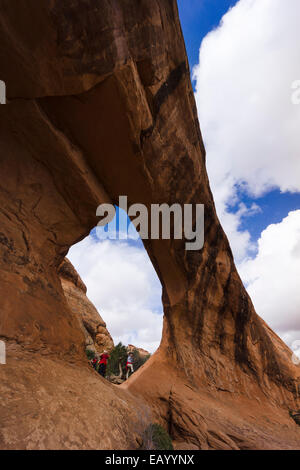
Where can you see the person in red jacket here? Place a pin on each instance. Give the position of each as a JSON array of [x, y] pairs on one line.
[[94, 362], [103, 363]]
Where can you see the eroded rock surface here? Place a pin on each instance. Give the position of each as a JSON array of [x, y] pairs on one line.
[[101, 105], [97, 337], [142, 352]]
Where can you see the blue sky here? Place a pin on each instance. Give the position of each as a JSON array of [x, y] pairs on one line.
[[199, 17], [274, 206], [251, 133]]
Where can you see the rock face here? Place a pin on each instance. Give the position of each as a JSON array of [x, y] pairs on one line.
[[142, 352], [97, 337], [101, 105]]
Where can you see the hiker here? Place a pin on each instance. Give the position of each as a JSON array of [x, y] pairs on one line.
[[129, 365], [94, 362], [103, 363]]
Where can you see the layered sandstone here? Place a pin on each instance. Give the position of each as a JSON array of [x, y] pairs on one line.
[[101, 105], [97, 337]]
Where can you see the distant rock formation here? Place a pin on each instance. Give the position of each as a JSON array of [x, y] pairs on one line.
[[142, 352], [97, 337]]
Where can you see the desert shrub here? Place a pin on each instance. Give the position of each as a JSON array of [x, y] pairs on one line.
[[139, 360], [117, 355], [155, 437], [90, 354]]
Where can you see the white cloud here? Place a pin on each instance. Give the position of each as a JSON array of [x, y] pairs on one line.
[[244, 86], [124, 287], [244, 89], [273, 277]]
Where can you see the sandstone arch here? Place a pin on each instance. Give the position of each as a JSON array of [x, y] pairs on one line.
[[96, 112]]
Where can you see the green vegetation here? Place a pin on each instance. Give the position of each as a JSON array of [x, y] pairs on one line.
[[139, 360], [161, 438], [119, 355], [157, 438], [89, 354]]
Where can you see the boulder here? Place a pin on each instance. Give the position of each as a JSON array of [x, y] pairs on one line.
[[88, 316]]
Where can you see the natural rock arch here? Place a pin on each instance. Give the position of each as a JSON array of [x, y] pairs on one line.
[[94, 113]]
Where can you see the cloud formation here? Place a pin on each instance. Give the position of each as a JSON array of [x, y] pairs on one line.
[[124, 287], [245, 82], [273, 277], [244, 98]]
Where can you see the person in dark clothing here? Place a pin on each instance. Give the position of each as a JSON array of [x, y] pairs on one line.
[[103, 363], [94, 362]]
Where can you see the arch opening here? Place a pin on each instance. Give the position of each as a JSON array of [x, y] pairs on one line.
[[122, 302]]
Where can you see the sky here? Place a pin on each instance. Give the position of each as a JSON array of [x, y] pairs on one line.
[[244, 58], [198, 18]]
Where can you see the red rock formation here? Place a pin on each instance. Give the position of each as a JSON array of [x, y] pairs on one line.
[[101, 105], [97, 337], [142, 352]]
